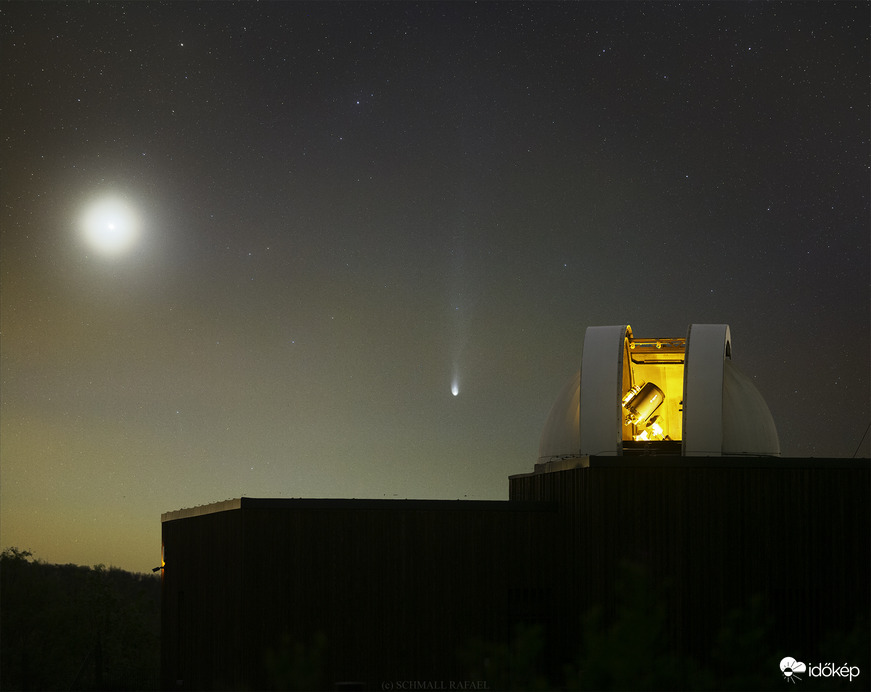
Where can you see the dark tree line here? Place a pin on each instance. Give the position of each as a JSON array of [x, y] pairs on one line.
[[66, 627]]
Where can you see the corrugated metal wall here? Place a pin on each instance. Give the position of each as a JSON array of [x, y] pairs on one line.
[[711, 538], [361, 591], [308, 593], [202, 601]]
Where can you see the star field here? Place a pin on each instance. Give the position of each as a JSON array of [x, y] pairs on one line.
[[371, 236]]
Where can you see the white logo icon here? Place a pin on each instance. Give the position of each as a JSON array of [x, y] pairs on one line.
[[789, 667]]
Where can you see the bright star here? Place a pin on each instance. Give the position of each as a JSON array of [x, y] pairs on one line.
[[110, 225]]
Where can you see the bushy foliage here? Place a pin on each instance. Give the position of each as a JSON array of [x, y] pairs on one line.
[[296, 666], [632, 649], [77, 628]]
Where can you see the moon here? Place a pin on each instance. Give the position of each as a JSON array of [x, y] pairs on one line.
[[110, 225]]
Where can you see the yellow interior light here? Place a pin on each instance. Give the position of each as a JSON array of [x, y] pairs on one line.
[[648, 361]]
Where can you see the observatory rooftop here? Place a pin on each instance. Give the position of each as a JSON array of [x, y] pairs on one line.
[[679, 396]]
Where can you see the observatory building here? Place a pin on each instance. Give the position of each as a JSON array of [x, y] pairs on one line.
[[658, 507], [680, 396]]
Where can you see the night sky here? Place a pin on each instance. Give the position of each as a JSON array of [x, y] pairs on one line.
[[344, 210]]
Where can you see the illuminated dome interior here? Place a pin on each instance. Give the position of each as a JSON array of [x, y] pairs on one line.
[[650, 417]]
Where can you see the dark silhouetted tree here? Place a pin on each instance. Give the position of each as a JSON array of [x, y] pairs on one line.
[[66, 627]]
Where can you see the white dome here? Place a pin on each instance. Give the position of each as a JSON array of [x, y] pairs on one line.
[[723, 412], [748, 427], [561, 436]]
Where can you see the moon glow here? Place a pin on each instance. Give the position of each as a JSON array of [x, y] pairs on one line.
[[110, 225]]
